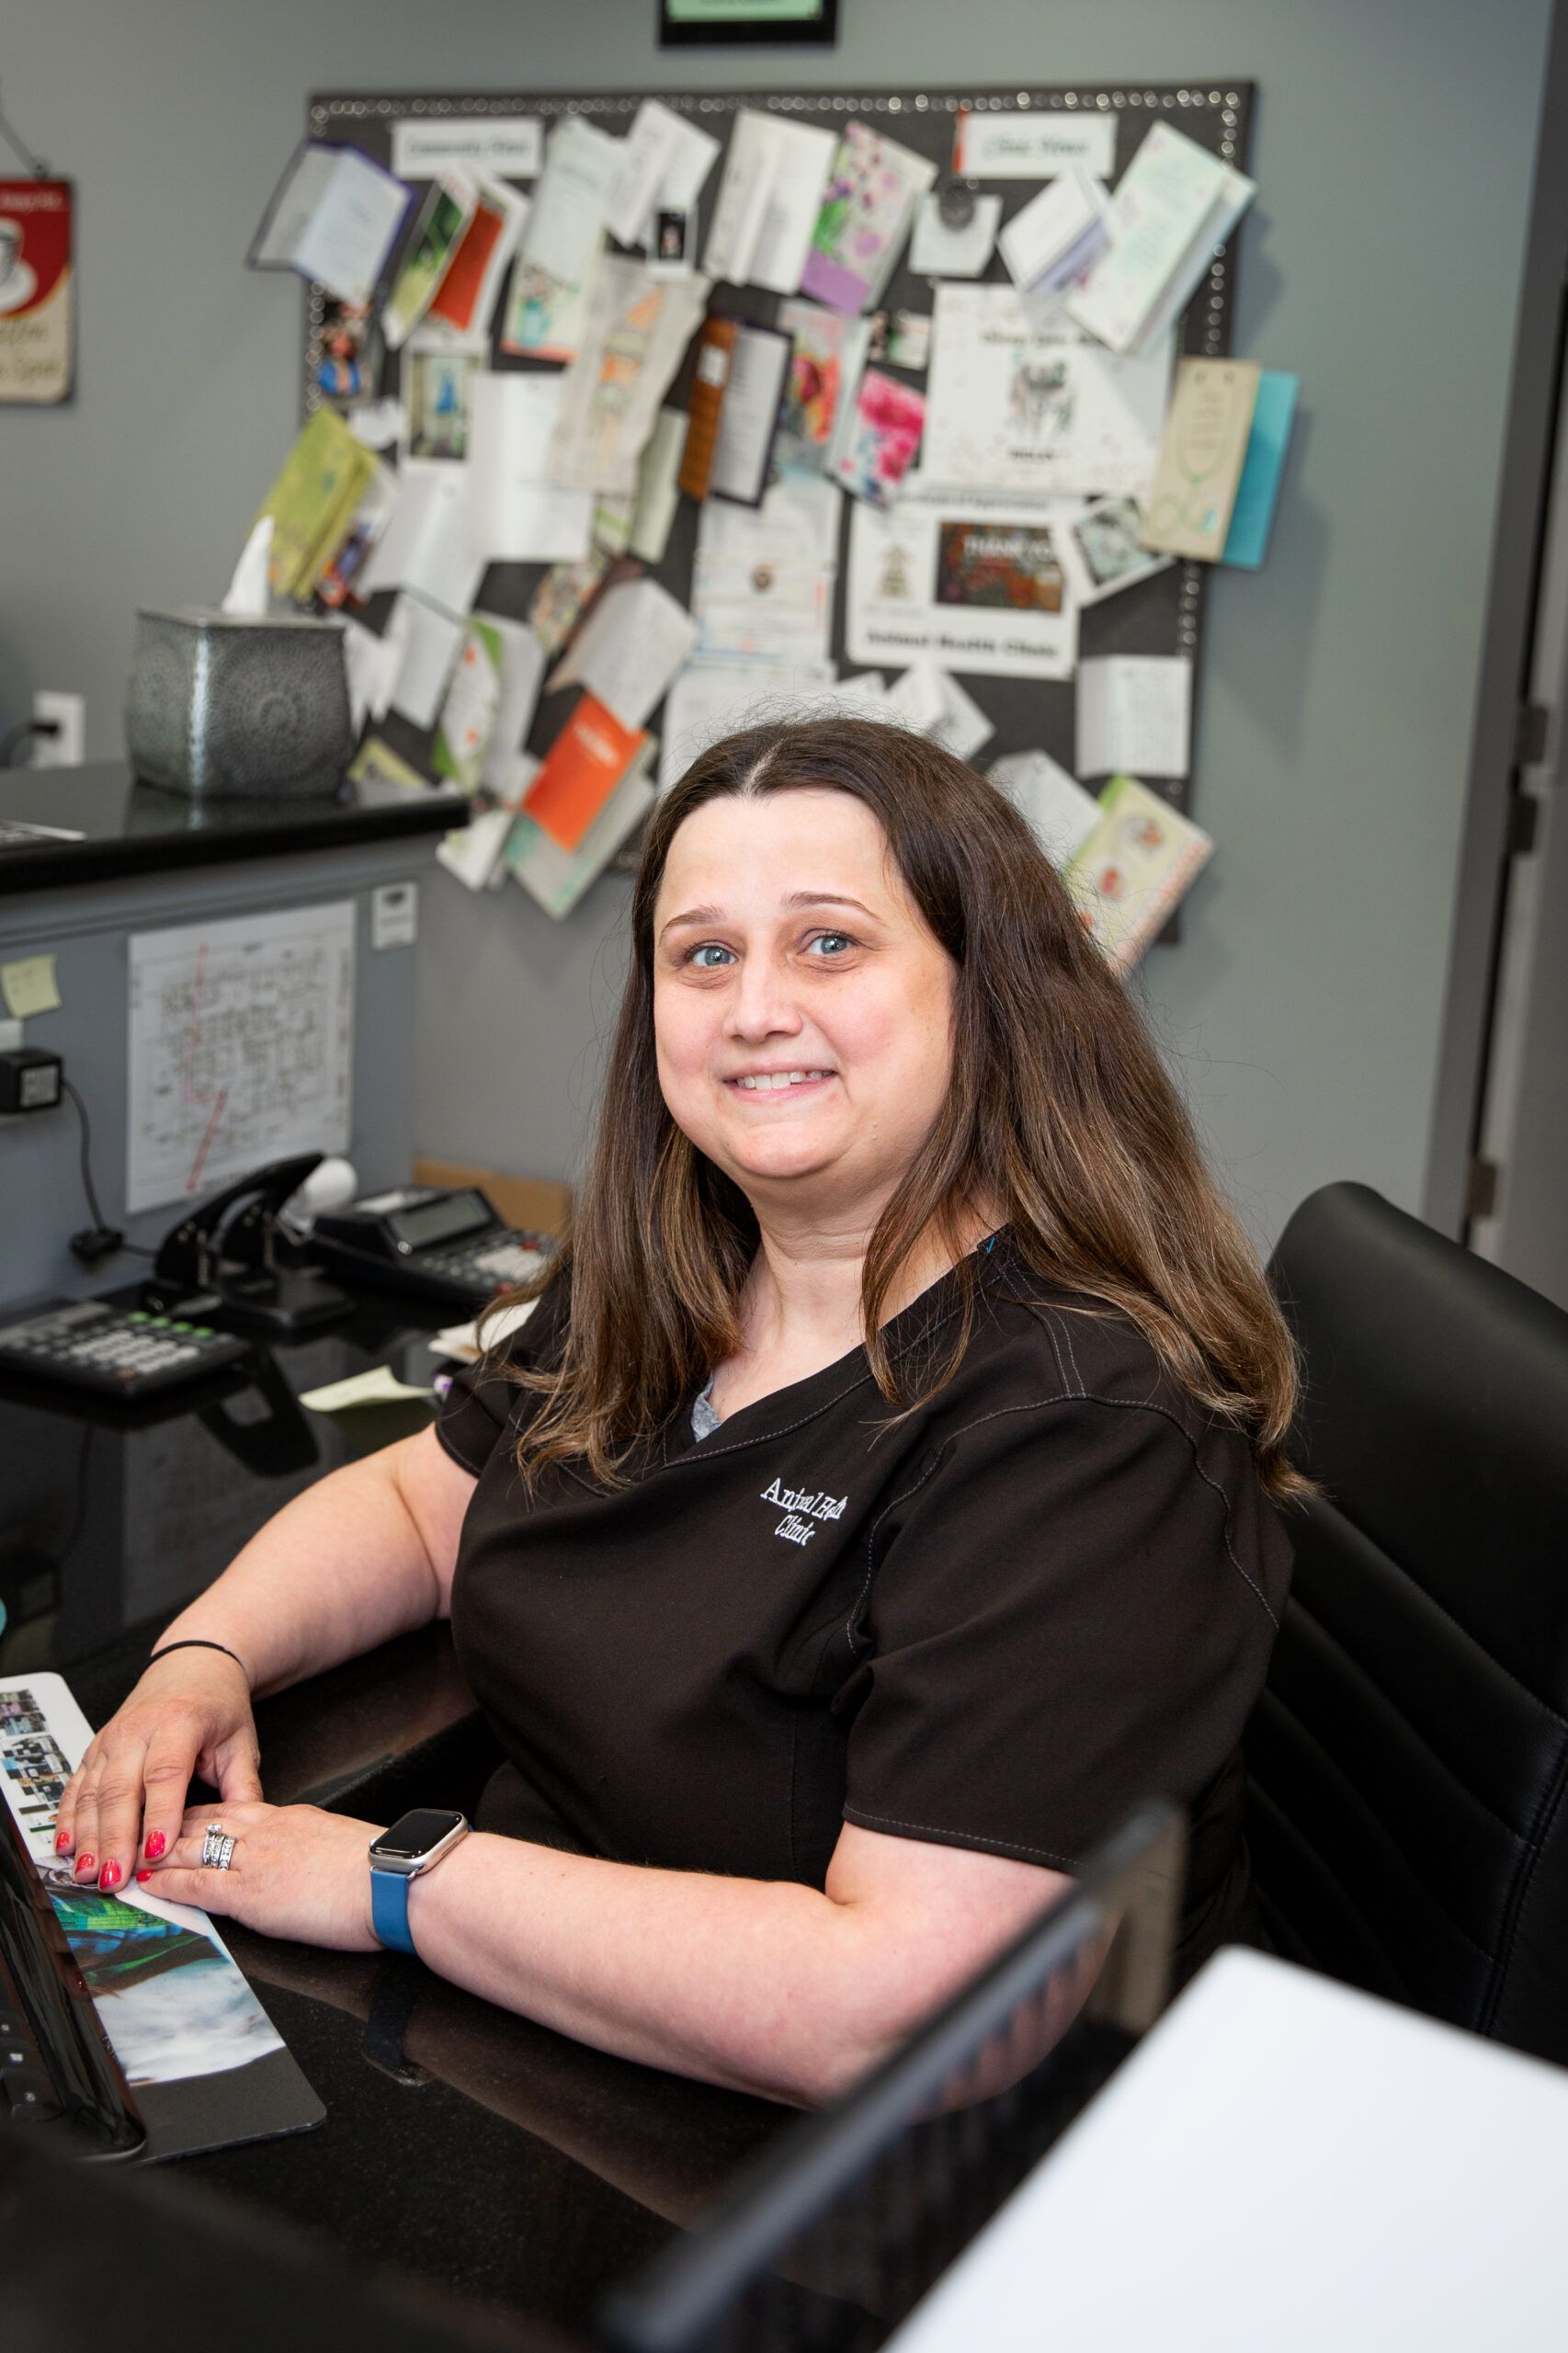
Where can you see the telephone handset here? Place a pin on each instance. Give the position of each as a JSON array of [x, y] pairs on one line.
[[223, 1254]]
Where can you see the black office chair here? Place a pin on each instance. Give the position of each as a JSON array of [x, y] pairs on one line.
[[1409, 1759]]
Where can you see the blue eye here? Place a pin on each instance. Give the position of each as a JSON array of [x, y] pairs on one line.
[[831, 942], [707, 958]]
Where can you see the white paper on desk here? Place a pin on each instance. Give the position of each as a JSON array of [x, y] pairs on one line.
[[429, 640], [637, 328], [664, 160], [761, 583], [1061, 815], [522, 674], [759, 362], [463, 1340], [518, 514], [744, 190], [802, 157], [925, 576], [1174, 203], [935, 705], [333, 219], [1019, 401], [658, 490], [426, 547], [1049, 244], [713, 700], [633, 642], [580, 166], [557, 878], [1134, 715], [938, 250]]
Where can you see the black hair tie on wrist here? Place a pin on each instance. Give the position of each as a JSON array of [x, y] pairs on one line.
[[194, 1642]]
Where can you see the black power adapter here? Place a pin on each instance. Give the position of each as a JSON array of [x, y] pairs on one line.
[[31, 1079]]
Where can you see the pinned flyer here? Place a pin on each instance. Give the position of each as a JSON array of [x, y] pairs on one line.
[[1135, 870], [579, 771]]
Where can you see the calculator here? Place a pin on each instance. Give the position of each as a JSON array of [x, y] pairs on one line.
[[115, 1351], [447, 1248]]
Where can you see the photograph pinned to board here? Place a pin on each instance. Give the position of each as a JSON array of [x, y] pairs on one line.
[[963, 583], [1103, 552], [901, 339], [1021, 399], [351, 352], [439, 383]]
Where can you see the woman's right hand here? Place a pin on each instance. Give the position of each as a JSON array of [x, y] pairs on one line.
[[190, 1713]]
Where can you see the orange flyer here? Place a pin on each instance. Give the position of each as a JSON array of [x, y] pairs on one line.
[[580, 770], [459, 292]]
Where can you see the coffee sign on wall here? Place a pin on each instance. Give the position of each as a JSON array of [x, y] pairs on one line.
[[38, 290]]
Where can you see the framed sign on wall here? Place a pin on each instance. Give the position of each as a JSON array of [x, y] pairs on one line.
[[686, 23]]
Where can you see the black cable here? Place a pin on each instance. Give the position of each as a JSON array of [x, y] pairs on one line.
[[94, 1207], [28, 728], [99, 1240]]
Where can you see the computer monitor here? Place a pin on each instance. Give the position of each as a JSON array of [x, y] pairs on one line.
[[835, 2234]]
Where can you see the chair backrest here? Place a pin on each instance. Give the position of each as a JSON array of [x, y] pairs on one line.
[[839, 2229], [1409, 1759]]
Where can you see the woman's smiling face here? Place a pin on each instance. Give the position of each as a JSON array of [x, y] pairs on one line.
[[802, 1008]]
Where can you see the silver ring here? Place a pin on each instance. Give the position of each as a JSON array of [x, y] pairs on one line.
[[225, 1852], [210, 1844]]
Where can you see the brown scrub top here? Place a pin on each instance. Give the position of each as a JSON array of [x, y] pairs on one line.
[[999, 1621]]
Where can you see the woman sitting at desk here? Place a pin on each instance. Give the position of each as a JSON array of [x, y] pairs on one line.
[[877, 1505]]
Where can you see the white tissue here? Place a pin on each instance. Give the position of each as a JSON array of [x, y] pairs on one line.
[[247, 591]]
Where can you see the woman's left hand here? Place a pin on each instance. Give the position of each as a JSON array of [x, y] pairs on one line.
[[296, 1871]]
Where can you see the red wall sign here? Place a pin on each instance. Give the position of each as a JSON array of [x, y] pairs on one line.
[[38, 290]]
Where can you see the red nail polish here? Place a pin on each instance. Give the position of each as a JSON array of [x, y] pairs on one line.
[[111, 1875], [142, 1877], [61, 1840], [156, 1841], [85, 1863]]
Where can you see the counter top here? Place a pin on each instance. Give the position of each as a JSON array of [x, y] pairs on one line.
[[130, 827]]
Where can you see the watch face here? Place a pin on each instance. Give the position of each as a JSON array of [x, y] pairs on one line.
[[415, 1834]]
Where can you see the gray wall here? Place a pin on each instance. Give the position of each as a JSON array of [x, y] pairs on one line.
[[1394, 147]]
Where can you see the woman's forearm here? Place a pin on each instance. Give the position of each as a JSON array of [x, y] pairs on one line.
[[764, 1986], [340, 1568]]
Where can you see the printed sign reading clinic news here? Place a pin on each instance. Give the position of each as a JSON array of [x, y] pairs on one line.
[[36, 290]]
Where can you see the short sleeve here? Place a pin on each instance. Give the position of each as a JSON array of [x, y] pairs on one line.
[[482, 1403], [1058, 1626]]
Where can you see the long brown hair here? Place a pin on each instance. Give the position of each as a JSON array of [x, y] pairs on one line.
[[1059, 1119]]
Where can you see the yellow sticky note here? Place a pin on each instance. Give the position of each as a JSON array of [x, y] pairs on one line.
[[28, 986]]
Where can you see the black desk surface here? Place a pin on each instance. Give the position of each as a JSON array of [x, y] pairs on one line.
[[135, 829], [524, 2173]]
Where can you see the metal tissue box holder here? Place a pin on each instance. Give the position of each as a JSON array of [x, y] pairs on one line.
[[225, 709]]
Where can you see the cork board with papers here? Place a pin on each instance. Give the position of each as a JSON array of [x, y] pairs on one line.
[[925, 461]]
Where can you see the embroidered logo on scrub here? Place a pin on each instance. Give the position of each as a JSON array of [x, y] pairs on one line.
[[801, 1507]]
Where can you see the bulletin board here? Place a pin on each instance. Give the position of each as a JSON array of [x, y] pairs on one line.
[[1159, 614]]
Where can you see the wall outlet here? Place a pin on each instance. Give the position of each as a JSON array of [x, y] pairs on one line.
[[68, 749]]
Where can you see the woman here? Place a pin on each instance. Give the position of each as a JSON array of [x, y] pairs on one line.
[[878, 1505]]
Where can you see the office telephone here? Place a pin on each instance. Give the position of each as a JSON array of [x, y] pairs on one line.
[[448, 1248]]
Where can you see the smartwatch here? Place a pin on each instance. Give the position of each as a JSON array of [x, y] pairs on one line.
[[413, 1843]]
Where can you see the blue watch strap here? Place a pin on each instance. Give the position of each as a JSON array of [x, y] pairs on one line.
[[388, 1908]]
